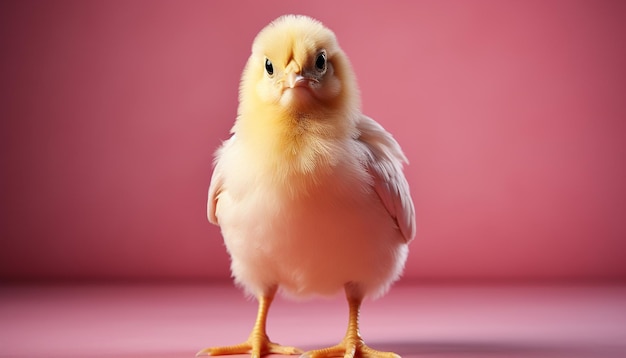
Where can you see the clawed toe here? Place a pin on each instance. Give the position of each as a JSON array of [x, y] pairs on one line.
[[348, 350], [255, 349]]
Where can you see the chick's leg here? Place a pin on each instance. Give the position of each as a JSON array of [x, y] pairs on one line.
[[258, 343], [352, 344]]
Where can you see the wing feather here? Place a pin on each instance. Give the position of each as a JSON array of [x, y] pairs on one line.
[[214, 191], [384, 162], [217, 182]]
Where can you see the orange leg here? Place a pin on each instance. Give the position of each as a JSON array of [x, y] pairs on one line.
[[352, 344], [258, 343]]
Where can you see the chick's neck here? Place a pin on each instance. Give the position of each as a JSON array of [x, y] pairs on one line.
[[295, 142]]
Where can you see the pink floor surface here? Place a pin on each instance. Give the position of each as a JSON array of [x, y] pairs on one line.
[[94, 321]]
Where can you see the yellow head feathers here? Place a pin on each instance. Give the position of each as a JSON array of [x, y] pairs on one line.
[[298, 68], [298, 97]]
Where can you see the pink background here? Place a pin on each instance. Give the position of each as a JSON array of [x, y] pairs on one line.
[[512, 113]]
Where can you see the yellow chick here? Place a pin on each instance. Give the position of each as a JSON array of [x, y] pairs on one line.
[[308, 192]]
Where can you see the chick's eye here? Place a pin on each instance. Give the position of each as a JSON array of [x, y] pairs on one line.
[[320, 61], [269, 68]]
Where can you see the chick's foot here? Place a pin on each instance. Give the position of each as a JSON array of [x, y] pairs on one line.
[[348, 348], [258, 343], [255, 346], [352, 344]]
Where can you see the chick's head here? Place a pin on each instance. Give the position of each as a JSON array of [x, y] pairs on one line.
[[297, 67]]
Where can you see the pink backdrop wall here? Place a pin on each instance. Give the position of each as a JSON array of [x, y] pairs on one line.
[[512, 113]]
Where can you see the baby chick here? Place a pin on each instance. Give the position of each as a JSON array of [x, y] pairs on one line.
[[308, 192]]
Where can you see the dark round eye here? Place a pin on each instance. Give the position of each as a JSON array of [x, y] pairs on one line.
[[269, 68], [320, 61]]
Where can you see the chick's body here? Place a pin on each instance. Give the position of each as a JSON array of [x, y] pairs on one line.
[[308, 192], [308, 233]]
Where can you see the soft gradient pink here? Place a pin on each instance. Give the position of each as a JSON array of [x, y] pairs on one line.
[[512, 114]]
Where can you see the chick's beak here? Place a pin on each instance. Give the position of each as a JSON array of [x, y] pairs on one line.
[[293, 79]]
